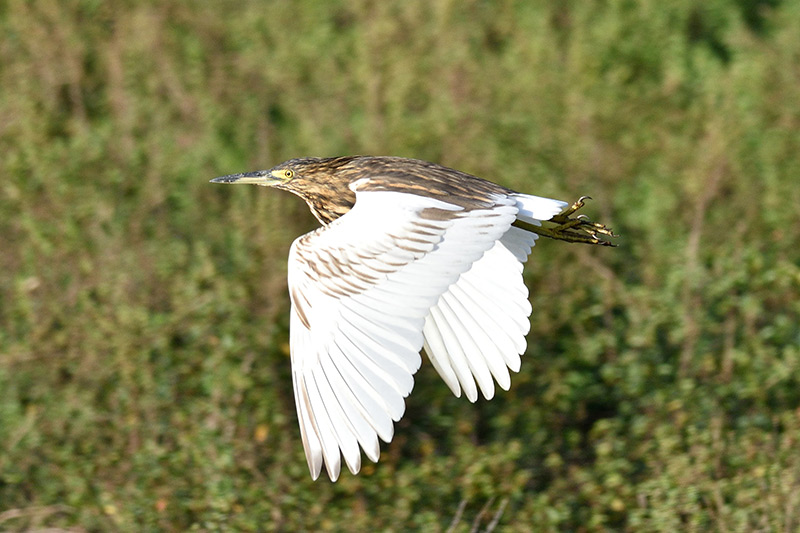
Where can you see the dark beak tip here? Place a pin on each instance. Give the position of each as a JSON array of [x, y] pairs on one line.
[[224, 179]]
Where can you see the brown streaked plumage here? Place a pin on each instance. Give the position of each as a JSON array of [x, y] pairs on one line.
[[411, 255], [324, 182]]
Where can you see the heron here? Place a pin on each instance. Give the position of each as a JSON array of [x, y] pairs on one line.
[[410, 256]]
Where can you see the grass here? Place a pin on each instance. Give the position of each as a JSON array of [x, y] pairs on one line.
[[144, 375]]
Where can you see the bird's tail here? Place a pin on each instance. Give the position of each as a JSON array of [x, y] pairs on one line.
[[534, 209]]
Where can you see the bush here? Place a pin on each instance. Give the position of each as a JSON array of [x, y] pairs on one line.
[[144, 374]]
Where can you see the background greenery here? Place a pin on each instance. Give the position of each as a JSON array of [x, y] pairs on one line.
[[144, 376]]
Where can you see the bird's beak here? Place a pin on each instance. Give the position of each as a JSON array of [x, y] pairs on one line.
[[259, 177]]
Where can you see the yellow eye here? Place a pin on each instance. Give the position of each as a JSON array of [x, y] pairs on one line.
[[288, 174]]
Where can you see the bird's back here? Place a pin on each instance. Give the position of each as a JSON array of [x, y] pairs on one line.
[[427, 179], [328, 184]]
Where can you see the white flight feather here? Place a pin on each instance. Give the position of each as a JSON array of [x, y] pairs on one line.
[[361, 288], [472, 355], [489, 307], [454, 354]]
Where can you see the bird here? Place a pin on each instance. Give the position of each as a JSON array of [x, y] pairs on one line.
[[410, 256]]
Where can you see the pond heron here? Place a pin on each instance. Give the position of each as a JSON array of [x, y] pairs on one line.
[[411, 255]]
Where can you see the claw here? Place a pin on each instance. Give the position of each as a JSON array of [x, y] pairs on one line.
[[578, 229]]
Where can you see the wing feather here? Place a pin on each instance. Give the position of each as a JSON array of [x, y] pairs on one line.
[[455, 354], [375, 409], [354, 410], [361, 288], [488, 310], [475, 362], [308, 432], [323, 425], [343, 428], [410, 360], [480, 335], [376, 378], [437, 353], [381, 360]]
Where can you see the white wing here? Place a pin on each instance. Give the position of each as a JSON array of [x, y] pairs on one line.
[[477, 329], [361, 288]]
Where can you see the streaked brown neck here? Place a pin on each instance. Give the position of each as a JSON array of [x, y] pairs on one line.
[[325, 188]]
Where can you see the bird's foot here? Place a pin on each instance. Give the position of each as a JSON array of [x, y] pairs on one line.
[[578, 229]]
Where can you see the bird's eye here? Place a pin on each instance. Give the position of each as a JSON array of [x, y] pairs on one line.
[[288, 174]]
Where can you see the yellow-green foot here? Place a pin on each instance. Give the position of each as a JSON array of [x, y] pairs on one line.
[[577, 229]]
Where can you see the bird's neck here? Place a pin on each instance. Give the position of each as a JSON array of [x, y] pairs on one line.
[[327, 210]]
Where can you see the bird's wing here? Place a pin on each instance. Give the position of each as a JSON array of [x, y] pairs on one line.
[[361, 288], [477, 328]]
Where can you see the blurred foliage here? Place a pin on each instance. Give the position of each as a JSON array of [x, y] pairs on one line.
[[144, 377]]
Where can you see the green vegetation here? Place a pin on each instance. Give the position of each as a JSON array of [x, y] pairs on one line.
[[144, 376]]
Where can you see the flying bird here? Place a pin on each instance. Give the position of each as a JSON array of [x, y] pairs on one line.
[[411, 255]]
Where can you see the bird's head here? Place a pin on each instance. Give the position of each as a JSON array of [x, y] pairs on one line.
[[280, 176], [321, 182]]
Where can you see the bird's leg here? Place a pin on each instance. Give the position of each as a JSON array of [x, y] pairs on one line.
[[578, 229]]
